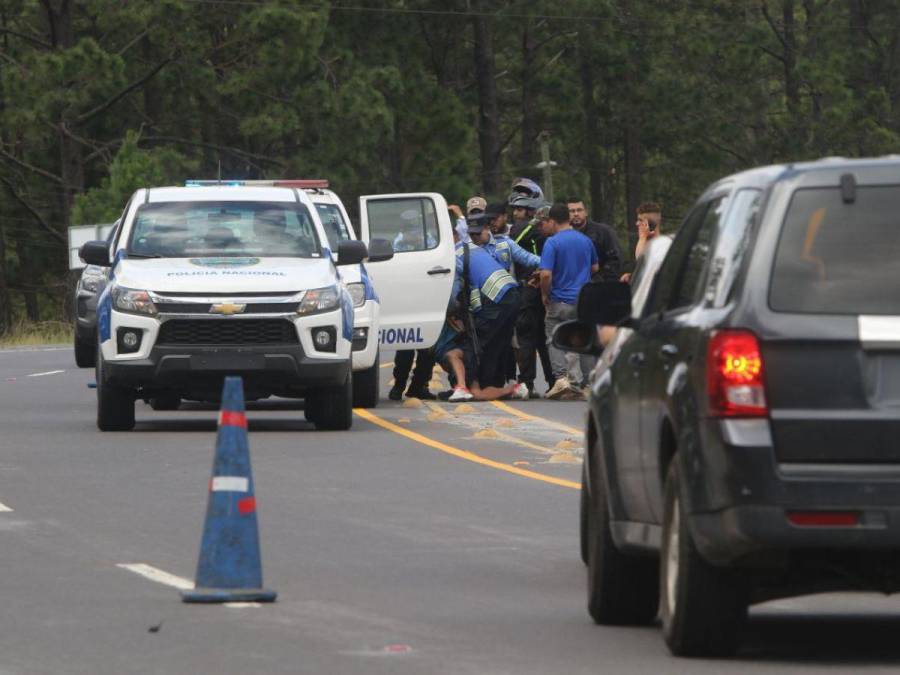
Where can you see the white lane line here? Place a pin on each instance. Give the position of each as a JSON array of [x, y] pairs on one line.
[[5, 509], [49, 372], [31, 350], [158, 575], [166, 579]]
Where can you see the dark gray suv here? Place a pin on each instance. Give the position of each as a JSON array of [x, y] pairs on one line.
[[743, 441]]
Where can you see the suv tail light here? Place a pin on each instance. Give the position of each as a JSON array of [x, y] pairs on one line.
[[734, 372]]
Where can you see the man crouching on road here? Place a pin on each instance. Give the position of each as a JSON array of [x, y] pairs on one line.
[[568, 261]]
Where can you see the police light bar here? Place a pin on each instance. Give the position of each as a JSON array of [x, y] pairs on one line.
[[304, 183], [204, 183]]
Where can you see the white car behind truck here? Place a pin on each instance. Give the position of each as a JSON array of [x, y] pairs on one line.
[[208, 281]]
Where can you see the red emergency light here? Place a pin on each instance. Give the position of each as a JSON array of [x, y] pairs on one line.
[[303, 183]]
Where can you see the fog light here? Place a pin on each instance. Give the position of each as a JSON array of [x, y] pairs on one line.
[[128, 340], [360, 339], [325, 339]]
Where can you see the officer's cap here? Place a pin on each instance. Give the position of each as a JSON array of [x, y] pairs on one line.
[[477, 222]]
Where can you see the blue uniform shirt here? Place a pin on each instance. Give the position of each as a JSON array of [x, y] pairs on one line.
[[487, 277], [506, 252], [569, 255]]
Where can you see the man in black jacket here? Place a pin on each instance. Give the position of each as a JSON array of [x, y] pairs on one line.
[[602, 235]]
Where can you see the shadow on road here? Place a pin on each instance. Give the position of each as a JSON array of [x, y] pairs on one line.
[[845, 638]]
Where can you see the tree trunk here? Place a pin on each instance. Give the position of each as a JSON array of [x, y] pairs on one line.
[[488, 106], [633, 170], [596, 161], [791, 80], [5, 299], [529, 129]]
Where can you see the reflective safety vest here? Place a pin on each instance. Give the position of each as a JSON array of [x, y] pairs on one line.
[[486, 276]]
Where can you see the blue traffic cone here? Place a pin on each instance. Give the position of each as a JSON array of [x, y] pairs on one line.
[[229, 568]]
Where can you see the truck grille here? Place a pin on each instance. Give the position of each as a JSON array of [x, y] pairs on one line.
[[227, 332]]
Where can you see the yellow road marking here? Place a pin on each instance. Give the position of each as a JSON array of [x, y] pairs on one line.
[[499, 435], [534, 418], [462, 454], [386, 365]]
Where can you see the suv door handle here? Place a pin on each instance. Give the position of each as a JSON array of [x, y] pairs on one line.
[[636, 359], [668, 351], [439, 270]]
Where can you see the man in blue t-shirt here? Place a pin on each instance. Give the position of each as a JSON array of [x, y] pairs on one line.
[[568, 261]]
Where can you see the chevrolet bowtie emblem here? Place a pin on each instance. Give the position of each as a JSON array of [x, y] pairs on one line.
[[227, 308]]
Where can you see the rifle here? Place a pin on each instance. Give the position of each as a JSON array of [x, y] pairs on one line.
[[468, 319]]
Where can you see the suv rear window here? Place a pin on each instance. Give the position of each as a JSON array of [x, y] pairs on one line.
[[837, 258]]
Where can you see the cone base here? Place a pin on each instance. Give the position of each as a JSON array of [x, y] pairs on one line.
[[218, 595]]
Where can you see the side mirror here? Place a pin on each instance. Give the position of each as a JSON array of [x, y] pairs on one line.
[[95, 253], [380, 250], [577, 336], [606, 303], [351, 252]]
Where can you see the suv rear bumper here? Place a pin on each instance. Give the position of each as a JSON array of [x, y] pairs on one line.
[[266, 369], [742, 505]]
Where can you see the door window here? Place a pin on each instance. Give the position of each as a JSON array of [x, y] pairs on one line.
[[668, 273], [333, 222], [409, 223], [690, 284]]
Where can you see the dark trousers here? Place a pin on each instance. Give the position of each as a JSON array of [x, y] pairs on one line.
[[494, 325], [403, 361], [531, 339]]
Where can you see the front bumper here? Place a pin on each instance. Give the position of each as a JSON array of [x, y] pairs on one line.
[[287, 369], [267, 370], [741, 506], [365, 318]]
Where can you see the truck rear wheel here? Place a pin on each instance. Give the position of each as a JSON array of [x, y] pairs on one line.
[[703, 607], [115, 405], [333, 408], [85, 352], [366, 386], [622, 589]]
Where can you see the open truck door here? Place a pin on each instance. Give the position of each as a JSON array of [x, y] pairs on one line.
[[414, 286]]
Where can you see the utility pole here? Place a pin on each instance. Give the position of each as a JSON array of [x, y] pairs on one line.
[[546, 165]]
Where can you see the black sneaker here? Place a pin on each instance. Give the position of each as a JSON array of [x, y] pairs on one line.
[[422, 394], [396, 393]]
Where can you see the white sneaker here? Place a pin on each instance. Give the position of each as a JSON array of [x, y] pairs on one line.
[[460, 394], [520, 391], [559, 387]]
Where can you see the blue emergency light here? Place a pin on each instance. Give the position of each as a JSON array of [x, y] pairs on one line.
[[204, 183]]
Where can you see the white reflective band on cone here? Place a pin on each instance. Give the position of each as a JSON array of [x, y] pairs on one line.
[[229, 484]]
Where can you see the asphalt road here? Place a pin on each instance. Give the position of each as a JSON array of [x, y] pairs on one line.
[[425, 540]]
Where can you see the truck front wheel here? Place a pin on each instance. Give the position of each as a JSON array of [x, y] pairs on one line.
[[115, 404], [333, 407]]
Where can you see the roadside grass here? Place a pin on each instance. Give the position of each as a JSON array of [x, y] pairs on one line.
[[30, 333]]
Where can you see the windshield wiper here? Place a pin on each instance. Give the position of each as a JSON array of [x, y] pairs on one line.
[[142, 255]]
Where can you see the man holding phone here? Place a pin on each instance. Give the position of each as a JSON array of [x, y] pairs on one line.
[[649, 218]]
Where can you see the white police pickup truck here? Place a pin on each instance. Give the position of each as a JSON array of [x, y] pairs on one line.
[[208, 281]]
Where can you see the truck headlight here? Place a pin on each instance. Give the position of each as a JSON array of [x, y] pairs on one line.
[[91, 282], [133, 301], [319, 300], [357, 291]]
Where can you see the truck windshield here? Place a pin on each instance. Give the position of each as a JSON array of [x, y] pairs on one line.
[[839, 258], [187, 229]]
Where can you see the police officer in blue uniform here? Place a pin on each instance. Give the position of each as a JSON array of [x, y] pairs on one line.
[[493, 301]]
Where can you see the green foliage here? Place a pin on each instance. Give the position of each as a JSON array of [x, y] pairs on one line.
[[131, 169], [642, 100]]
